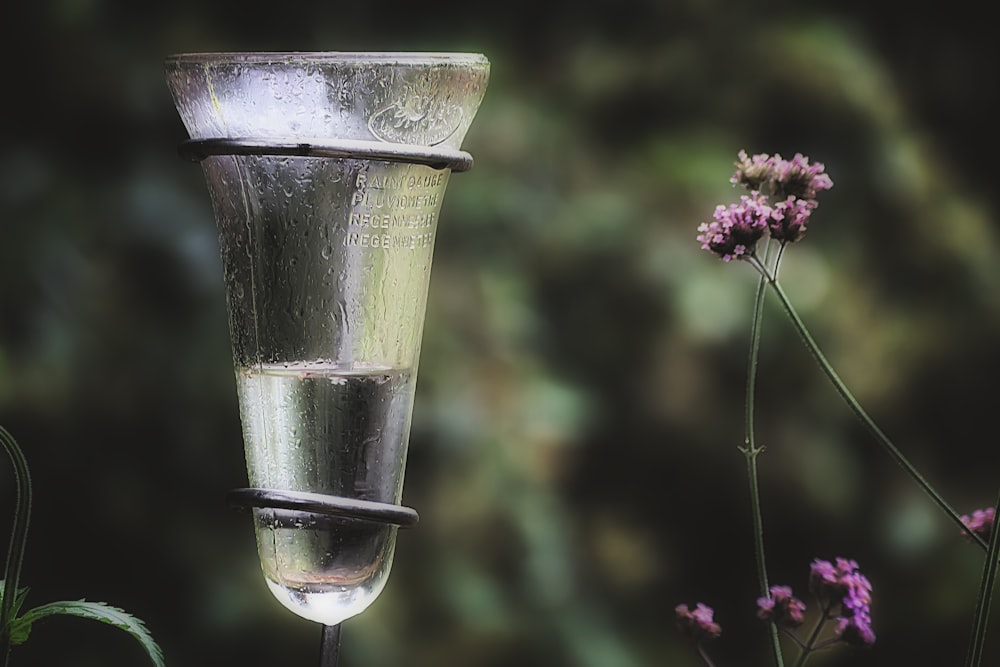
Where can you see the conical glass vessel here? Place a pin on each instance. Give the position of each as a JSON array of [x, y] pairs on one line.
[[326, 173]]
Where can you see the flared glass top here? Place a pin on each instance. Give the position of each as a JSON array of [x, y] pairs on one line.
[[425, 99]]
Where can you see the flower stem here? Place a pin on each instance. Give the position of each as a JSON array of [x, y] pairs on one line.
[[810, 644], [855, 407], [975, 657], [704, 656], [19, 533], [750, 451]]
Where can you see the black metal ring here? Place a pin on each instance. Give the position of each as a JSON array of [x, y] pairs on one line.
[[197, 150], [318, 503]]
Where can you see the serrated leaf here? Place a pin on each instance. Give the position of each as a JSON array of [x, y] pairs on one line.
[[97, 611]]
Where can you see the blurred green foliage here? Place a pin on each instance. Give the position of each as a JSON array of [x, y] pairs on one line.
[[581, 392]]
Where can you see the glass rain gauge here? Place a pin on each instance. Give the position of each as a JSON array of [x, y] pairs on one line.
[[326, 173]]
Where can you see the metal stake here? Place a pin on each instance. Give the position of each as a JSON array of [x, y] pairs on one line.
[[329, 650]]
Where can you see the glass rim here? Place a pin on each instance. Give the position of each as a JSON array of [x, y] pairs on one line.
[[373, 57]]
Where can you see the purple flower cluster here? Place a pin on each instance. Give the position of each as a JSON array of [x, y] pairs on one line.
[[755, 172], [980, 522], [788, 222], [792, 184], [844, 597], [782, 607], [698, 623], [843, 593], [779, 177], [841, 583], [736, 228]]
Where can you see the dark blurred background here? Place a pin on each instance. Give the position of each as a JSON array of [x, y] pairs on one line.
[[580, 400]]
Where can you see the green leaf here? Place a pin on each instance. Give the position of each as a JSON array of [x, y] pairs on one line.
[[97, 611], [18, 599], [19, 632]]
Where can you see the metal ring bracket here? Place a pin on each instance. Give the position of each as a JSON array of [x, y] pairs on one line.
[[438, 157], [318, 503]]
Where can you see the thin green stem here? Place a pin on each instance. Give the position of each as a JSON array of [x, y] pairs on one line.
[[855, 407], [978, 642], [758, 530], [704, 656], [753, 356], [19, 534], [795, 638], [750, 451], [810, 644]]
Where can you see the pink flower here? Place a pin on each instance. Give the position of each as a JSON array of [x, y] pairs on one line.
[[737, 228], [754, 172], [798, 178], [782, 178], [794, 184], [842, 584], [697, 623], [788, 223], [981, 522], [781, 607]]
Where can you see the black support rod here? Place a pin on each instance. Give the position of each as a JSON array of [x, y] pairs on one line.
[[329, 650], [317, 503], [436, 157]]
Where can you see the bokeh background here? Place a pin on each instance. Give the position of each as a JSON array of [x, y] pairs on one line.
[[580, 401]]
